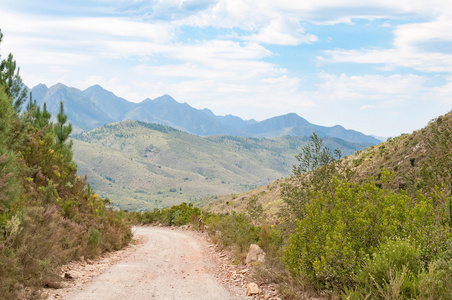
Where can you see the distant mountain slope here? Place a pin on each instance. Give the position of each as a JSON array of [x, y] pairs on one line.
[[140, 165], [183, 116], [81, 111], [277, 123], [230, 120], [292, 124], [114, 106], [96, 106], [380, 138]]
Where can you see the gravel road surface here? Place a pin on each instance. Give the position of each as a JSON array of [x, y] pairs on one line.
[[171, 264]]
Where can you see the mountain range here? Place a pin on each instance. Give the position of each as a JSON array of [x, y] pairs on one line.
[[95, 107]]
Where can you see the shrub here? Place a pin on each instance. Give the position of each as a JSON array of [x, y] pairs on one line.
[[94, 241], [436, 282], [391, 272], [37, 243], [175, 215], [237, 231], [46, 210], [341, 228]]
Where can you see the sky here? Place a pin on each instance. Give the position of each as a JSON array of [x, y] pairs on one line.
[[381, 67]]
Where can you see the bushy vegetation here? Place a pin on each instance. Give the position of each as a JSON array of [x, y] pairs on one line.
[[48, 214], [175, 215], [339, 230], [373, 239]]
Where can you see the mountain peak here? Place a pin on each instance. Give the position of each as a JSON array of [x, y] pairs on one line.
[[95, 87], [338, 127], [291, 119], [209, 112], [41, 86], [59, 85], [165, 99]]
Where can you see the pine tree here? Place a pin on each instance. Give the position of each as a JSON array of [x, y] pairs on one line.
[[45, 116], [11, 81], [61, 129], [62, 132]]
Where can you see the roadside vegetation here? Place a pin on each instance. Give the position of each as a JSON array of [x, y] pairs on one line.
[[48, 214]]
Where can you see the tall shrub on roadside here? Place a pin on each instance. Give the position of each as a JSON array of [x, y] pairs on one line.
[[340, 228]]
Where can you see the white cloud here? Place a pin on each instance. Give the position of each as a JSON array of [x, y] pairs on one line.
[[227, 85], [254, 15], [59, 41], [219, 50], [442, 94], [365, 107], [282, 32], [375, 89], [387, 105], [422, 46]]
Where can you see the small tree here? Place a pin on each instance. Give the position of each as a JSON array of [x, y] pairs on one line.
[[314, 173], [33, 114], [314, 155], [62, 132]]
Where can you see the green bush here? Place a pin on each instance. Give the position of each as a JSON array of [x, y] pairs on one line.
[[94, 240], [436, 282], [46, 210], [237, 230], [341, 228], [175, 215], [391, 272]]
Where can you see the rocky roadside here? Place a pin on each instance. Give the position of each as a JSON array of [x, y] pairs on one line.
[[78, 273], [236, 278]]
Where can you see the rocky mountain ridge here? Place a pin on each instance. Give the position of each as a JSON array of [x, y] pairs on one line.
[[95, 107]]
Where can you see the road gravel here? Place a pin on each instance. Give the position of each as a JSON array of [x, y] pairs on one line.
[[170, 264]]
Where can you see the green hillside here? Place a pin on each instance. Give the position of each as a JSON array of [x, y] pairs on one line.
[[406, 155], [141, 165]]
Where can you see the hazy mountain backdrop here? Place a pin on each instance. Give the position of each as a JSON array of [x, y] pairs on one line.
[[95, 107]]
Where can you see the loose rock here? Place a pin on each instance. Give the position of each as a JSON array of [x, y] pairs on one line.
[[255, 254], [252, 289]]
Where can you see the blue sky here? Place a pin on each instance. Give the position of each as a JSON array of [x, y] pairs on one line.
[[381, 67]]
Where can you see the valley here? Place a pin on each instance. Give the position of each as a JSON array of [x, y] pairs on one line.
[[140, 166]]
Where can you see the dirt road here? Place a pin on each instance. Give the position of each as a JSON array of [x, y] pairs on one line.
[[171, 264]]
